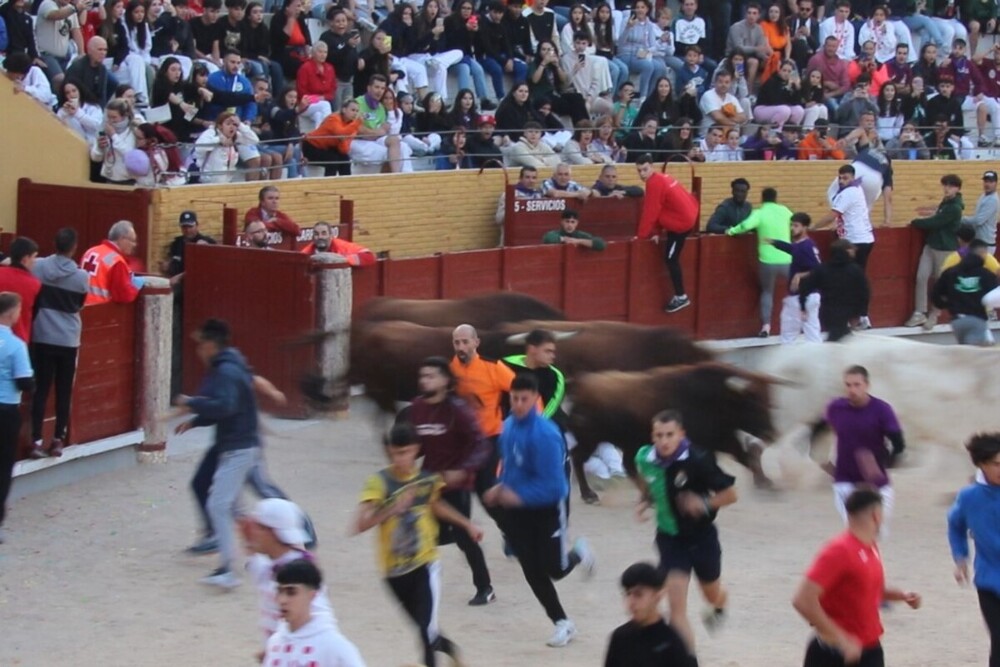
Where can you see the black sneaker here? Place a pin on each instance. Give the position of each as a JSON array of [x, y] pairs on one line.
[[209, 545], [487, 104], [677, 303], [764, 333], [483, 597]]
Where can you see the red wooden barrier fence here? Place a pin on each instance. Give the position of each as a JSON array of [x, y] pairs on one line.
[[269, 300], [527, 220], [628, 281]]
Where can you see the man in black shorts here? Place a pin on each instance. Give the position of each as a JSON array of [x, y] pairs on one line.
[[686, 488]]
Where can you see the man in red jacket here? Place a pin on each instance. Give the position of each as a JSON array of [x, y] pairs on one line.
[[266, 211], [111, 279], [672, 209], [324, 240], [19, 279]]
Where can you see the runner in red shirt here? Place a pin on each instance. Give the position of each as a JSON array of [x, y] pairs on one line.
[[670, 208], [843, 589]]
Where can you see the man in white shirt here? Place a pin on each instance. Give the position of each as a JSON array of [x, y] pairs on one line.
[[714, 147], [719, 106], [590, 75], [690, 30], [56, 29], [304, 638], [850, 210], [839, 25], [562, 185]]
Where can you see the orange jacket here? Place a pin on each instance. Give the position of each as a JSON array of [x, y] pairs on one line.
[[482, 383], [822, 149], [110, 277], [356, 254], [334, 134]]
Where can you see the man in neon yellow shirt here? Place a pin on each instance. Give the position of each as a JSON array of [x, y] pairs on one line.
[[375, 142], [771, 220]]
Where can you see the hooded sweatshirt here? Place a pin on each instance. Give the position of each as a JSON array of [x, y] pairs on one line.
[[961, 288], [667, 206], [974, 512], [58, 306], [317, 643], [226, 399], [261, 569], [942, 226], [842, 287], [533, 452]]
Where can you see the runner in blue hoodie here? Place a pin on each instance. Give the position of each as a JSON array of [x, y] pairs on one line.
[[532, 490], [974, 512]]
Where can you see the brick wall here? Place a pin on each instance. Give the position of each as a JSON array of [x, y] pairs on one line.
[[427, 212]]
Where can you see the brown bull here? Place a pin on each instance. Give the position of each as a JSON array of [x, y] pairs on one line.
[[716, 400], [484, 311]]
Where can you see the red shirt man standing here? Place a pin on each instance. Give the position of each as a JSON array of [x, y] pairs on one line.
[[843, 589], [18, 278], [267, 212], [111, 278]]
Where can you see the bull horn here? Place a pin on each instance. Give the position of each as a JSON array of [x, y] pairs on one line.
[[737, 383], [521, 338]]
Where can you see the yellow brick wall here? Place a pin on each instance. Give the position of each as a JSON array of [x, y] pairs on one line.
[[427, 212]]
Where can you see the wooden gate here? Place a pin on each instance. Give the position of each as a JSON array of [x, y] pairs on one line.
[[268, 297]]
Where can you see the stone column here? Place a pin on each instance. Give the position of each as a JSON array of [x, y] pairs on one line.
[[156, 316], [334, 301]]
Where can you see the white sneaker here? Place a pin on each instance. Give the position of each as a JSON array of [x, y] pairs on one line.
[[916, 320], [564, 633], [588, 563], [222, 578]]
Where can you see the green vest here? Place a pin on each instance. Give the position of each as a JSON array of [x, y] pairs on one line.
[[655, 478], [370, 118], [553, 402]]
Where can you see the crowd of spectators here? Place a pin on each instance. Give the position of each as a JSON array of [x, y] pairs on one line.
[[172, 91]]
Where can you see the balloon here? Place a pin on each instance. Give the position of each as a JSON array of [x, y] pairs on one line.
[[137, 163]]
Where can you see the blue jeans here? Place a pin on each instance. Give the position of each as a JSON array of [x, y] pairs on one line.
[[675, 65], [495, 70], [274, 71], [470, 72], [648, 70], [618, 71], [292, 164], [921, 23]]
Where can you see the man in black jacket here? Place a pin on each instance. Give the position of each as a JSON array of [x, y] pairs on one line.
[[843, 290], [961, 289], [804, 31], [731, 211], [498, 52]]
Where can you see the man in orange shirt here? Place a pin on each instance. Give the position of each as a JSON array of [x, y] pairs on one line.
[[482, 383], [330, 143], [818, 146], [324, 240]]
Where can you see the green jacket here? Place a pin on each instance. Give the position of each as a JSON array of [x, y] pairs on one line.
[[555, 236], [772, 221], [943, 225]]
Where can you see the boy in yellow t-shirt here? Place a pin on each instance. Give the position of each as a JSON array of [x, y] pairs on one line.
[[405, 503]]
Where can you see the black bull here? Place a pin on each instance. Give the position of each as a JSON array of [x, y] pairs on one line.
[[716, 401], [485, 311], [385, 356]]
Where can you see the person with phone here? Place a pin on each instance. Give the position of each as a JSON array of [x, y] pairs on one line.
[[636, 44]]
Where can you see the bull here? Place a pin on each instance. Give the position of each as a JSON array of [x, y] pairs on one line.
[[385, 356], [942, 394], [484, 311], [717, 401]]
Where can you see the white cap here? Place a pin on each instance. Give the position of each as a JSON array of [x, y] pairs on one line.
[[283, 517]]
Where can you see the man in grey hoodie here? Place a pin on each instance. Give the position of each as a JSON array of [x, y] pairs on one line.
[[55, 337]]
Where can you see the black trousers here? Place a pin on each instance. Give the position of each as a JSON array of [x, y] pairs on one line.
[[836, 330], [448, 534], [487, 478], [862, 251], [672, 249], [989, 604], [10, 426], [538, 537], [52, 363], [820, 655], [339, 164], [417, 591]]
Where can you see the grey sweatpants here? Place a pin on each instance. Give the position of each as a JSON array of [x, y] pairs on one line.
[[223, 500], [929, 267], [769, 273], [970, 330]]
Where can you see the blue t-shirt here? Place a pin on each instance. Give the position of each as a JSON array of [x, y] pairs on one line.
[[14, 364]]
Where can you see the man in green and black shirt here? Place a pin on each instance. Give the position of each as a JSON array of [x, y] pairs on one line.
[[570, 233], [537, 360], [686, 488]]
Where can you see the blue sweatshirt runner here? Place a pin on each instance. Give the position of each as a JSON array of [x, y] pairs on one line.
[[533, 454], [975, 511]]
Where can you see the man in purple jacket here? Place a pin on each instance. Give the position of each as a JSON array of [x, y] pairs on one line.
[[862, 424]]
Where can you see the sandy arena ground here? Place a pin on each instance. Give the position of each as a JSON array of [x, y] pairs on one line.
[[94, 574]]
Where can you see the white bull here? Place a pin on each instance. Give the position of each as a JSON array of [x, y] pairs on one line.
[[942, 394]]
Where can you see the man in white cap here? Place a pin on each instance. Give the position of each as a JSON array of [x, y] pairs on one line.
[[274, 533]]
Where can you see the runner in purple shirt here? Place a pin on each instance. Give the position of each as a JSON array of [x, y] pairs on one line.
[[862, 424]]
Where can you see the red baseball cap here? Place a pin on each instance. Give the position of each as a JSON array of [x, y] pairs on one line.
[[486, 119]]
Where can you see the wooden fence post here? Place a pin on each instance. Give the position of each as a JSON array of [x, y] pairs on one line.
[[334, 299], [156, 316]]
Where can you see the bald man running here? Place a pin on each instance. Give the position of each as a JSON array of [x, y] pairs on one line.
[[482, 383]]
